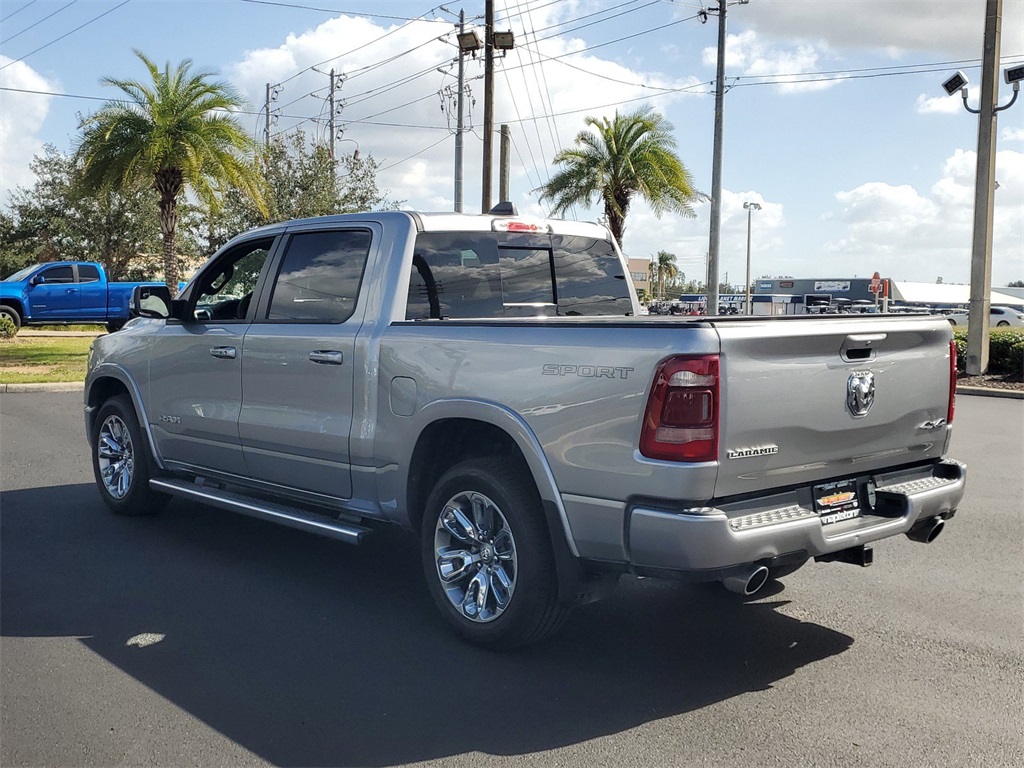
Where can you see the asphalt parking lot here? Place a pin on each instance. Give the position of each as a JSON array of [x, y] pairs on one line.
[[202, 638]]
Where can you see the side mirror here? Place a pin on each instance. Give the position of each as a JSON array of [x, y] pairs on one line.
[[153, 301], [37, 280]]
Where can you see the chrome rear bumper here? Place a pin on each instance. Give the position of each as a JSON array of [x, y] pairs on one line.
[[766, 528]]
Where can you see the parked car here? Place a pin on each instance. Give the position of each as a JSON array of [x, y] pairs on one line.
[[999, 317], [484, 382], [65, 292]]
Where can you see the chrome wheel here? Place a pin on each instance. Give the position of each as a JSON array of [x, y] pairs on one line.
[[116, 456], [475, 556]]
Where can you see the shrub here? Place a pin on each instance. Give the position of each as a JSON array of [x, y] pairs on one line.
[[1005, 350], [8, 330]]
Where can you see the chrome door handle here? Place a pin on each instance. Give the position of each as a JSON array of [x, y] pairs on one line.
[[225, 353], [327, 357]]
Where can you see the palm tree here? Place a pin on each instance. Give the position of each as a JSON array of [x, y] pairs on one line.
[[630, 155], [172, 134], [667, 269]]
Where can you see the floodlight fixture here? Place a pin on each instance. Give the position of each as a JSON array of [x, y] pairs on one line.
[[469, 41], [504, 41], [955, 83], [1013, 75]]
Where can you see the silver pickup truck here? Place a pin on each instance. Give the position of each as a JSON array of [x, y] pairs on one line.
[[485, 382]]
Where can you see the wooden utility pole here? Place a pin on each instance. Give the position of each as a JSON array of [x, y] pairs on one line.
[[504, 162]]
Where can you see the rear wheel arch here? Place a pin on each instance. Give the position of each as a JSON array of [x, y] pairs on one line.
[[448, 442]]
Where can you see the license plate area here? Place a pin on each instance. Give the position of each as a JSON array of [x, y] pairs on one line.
[[837, 501]]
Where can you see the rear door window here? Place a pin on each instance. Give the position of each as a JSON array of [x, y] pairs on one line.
[[320, 276], [87, 273]]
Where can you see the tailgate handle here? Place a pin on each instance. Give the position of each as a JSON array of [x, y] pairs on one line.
[[860, 346], [864, 339]]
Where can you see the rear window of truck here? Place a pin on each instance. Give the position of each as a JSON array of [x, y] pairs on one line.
[[459, 275]]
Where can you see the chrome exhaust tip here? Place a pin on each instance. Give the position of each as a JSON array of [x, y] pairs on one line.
[[926, 531], [746, 581]]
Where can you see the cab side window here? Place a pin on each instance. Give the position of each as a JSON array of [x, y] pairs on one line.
[[320, 276], [59, 274], [226, 287]]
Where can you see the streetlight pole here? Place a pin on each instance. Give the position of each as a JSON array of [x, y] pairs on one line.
[[716, 174], [488, 159], [984, 181], [751, 207], [459, 120], [984, 195]]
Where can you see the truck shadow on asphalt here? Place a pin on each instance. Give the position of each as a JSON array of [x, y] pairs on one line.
[[310, 652]]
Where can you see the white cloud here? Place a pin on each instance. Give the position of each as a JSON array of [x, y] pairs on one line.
[[951, 28], [748, 54], [21, 119], [939, 105], [1011, 134], [909, 234]]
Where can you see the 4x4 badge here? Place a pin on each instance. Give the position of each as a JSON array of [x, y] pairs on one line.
[[860, 392]]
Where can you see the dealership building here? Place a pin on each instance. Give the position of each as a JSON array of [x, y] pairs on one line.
[[841, 290]]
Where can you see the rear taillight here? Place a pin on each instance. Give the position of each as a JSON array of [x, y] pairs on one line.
[[952, 382], [681, 420]]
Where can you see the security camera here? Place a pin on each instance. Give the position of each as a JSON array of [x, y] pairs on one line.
[[1013, 75], [956, 82]]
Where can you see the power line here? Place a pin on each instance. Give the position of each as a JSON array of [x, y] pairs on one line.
[[15, 13], [597, 21], [333, 10], [416, 154], [36, 24], [358, 48], [595, 74], [57, 40]]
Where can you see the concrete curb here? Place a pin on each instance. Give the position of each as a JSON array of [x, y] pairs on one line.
[[54, 386], [1012, 394]]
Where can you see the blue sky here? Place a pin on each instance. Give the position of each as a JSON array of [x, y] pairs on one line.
[[835, 119]]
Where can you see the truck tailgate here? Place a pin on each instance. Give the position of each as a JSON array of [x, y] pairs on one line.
[[787, 416]]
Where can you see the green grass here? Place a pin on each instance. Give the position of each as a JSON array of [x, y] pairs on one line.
[[43, 359], [92, 328]]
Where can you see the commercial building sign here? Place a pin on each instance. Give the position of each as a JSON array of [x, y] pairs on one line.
[[841, 286]]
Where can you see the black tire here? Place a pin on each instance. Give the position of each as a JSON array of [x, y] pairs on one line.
[[1002, 324], [6, 310], [115, 325], [122, 466], [512, 555]]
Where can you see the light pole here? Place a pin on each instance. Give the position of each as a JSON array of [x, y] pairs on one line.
[[751, 207], [984, 190], [469, 42]]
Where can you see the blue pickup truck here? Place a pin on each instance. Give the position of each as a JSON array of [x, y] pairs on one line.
[[65, 292]]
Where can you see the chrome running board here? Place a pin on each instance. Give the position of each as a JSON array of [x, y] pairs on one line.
[[282, 514]]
